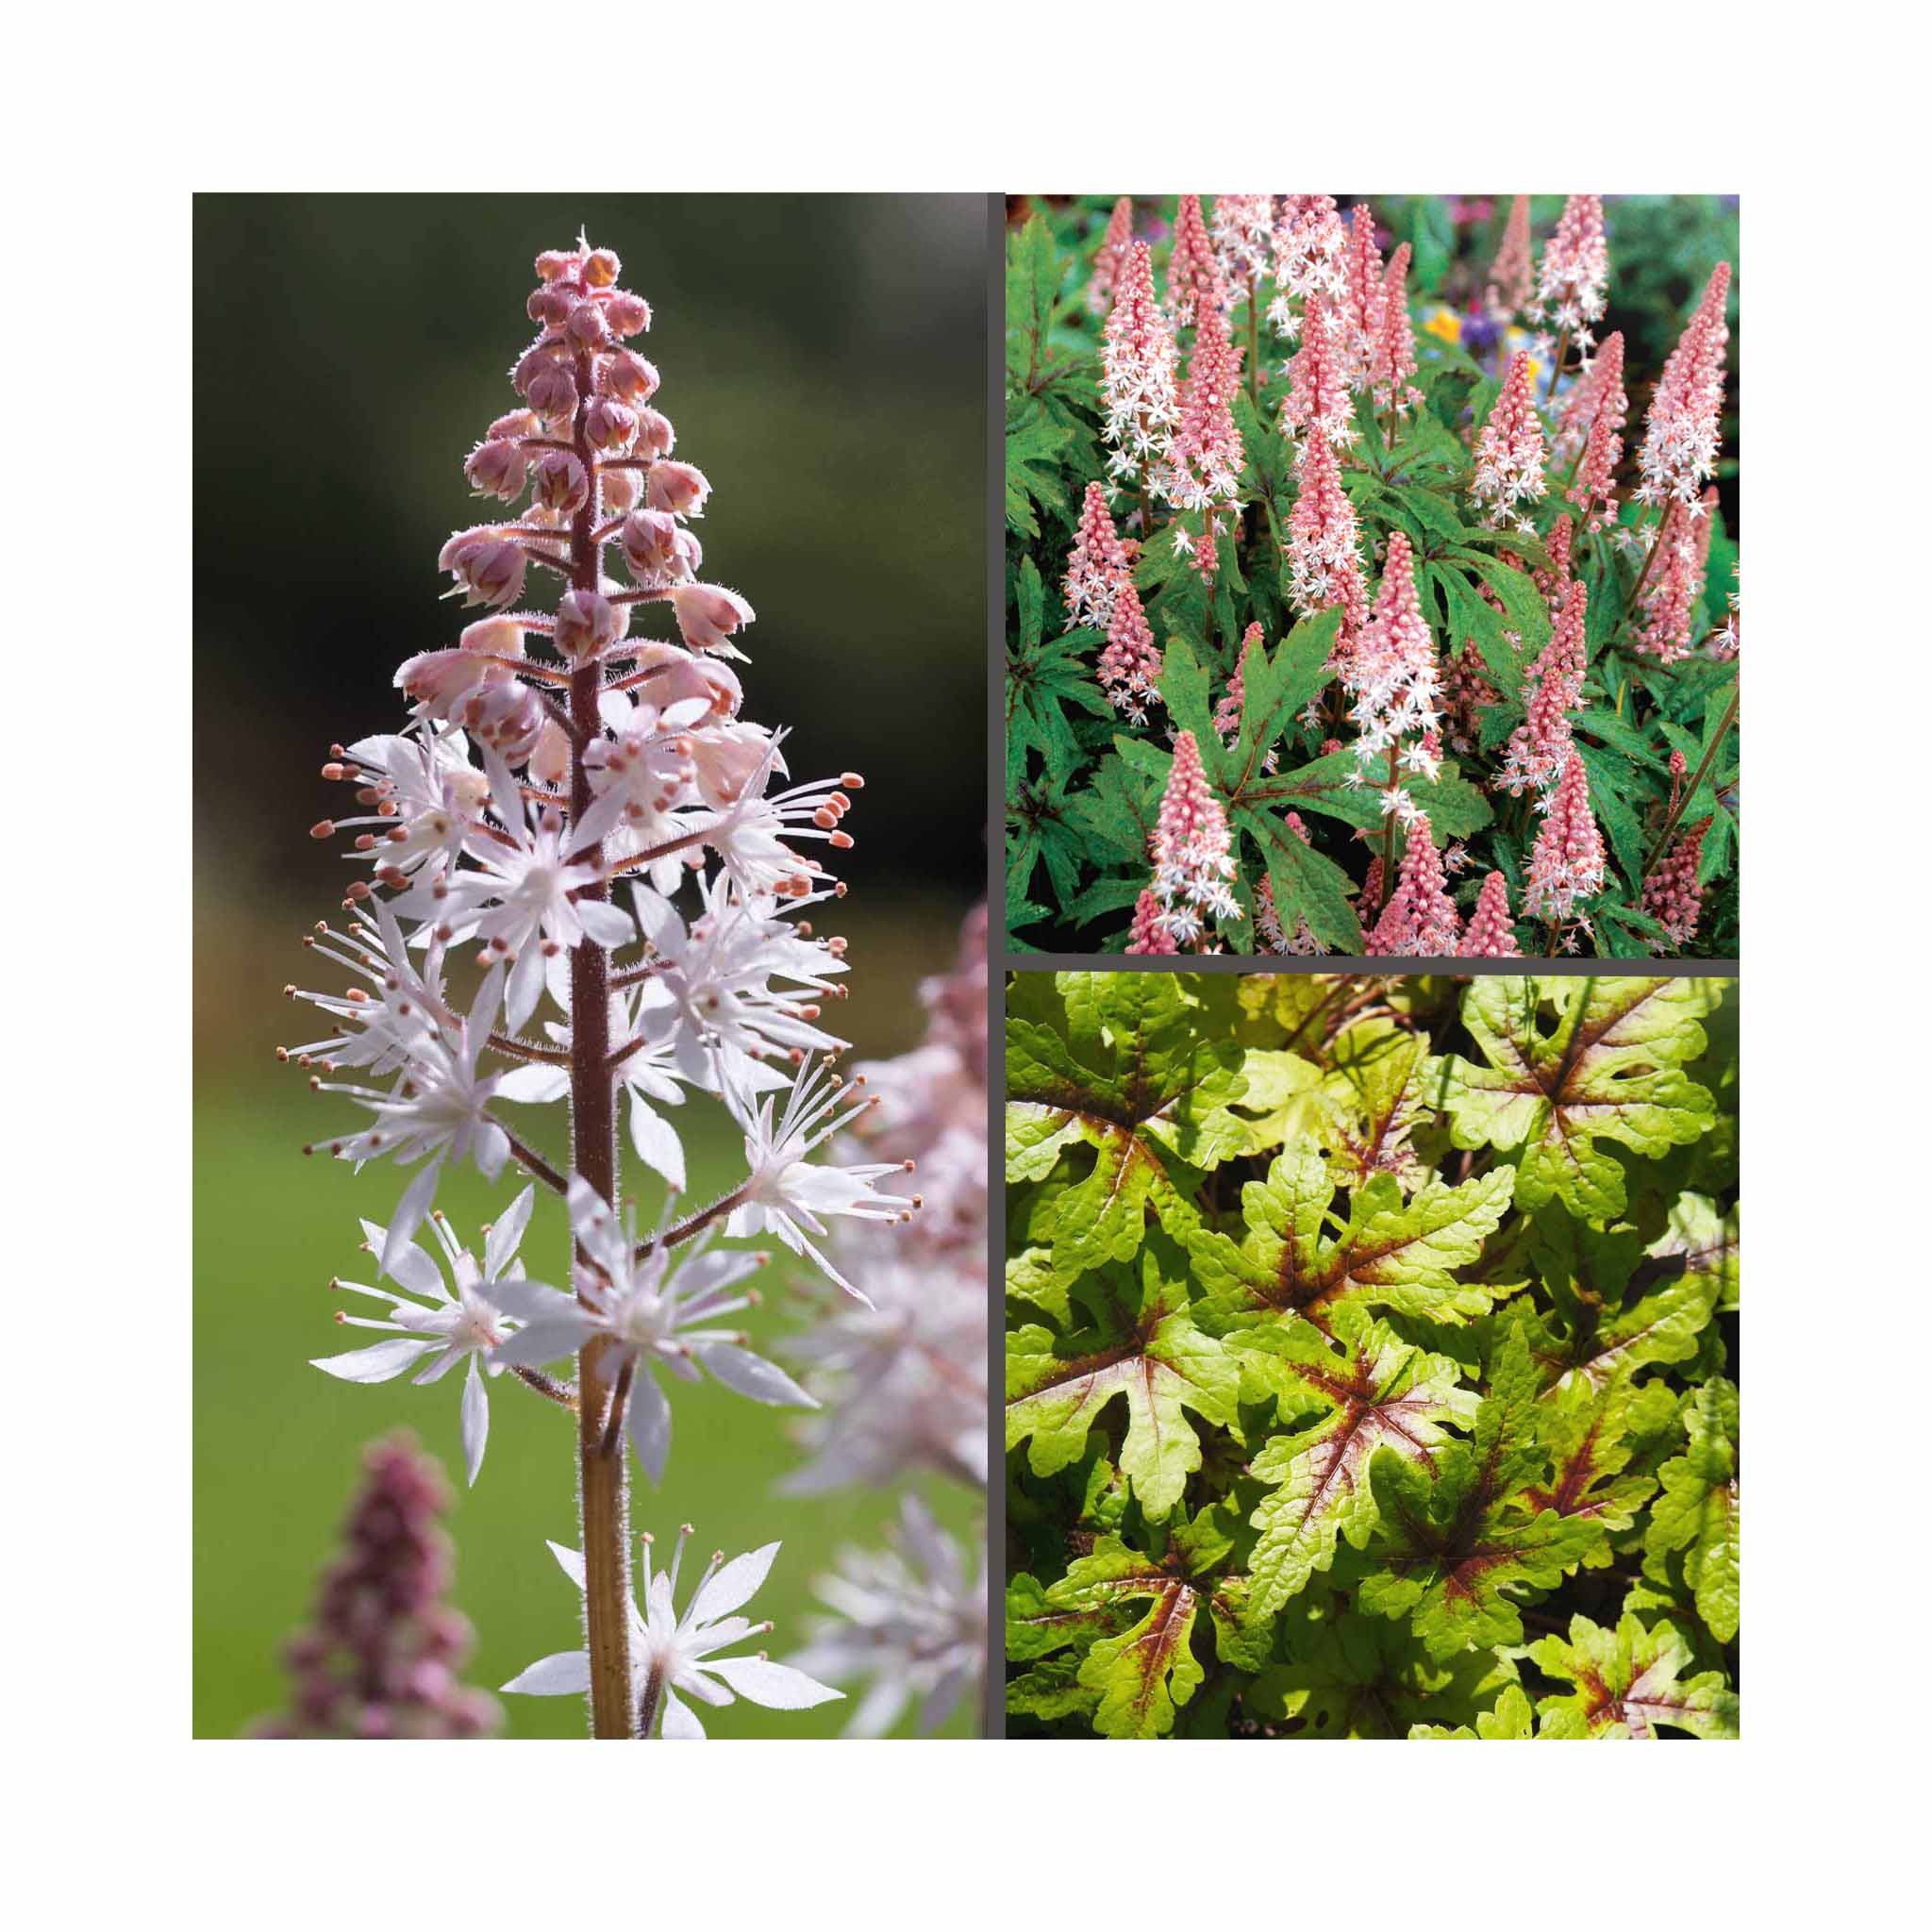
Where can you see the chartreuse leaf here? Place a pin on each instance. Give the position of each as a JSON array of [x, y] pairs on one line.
[[1123, 1067], [1610, 1067], [1374, 1096], [1588, 1433], [1373, 1391], [1390, 1253], [1697, 1511], [1513, 1718], [1628, 1682], [1453, 1543], [1617, 1314], [1139, 1344]]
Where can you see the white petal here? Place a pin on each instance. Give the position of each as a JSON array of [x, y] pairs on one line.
[[566, 1674], [415, 1203], [475, 1419], [680, 1721], [526, 985], [657, 1141], [607, 924], [542, 1341], [752, 1375], [415, 1270], [777, 1686], [734, 1586], [507, 1231], [377, 1364], [534, 1085], [648, 1424], [572, 1562]]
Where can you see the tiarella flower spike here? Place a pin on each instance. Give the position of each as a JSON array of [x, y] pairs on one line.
[[1418, 920], [1510, 453], [1111, 253], [1136, 364], [1491, 934], [1194, 279], [1189, 848], [1097, 565], [563, 777], [1566, 866]]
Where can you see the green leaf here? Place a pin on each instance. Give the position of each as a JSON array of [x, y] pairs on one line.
[[1609, 1068], [1374, 1392], [1512, 1718], [1140, 1345], [1627, 1684], [1390, 1253], [1697, 1511], [1455, 1544]]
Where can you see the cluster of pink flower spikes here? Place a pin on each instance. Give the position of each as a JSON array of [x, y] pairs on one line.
[[1191, 849]]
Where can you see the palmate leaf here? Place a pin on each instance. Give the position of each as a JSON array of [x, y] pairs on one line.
[[1139, 1345], [1132, 1616], [1117, 1060], [1373, 1097], [1390, 1253], [1697, 1511], [1610, 1068], [1513, 1718], [1375, 1392], [1618, 1313], [1452, 1544], [1627, 1684], [1587, 1432]]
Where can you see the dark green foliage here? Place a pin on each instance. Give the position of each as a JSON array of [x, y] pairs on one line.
[[1084, 784]]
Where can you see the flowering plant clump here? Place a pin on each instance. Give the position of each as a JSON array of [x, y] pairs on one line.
[[585, 893], [1372, 1356], [1411, 519]]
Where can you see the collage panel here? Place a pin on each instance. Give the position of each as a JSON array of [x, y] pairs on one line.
[[616, 1364], [1371, 576], [1371, 1356]]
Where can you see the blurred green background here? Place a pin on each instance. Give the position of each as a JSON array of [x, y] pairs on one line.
[[824, 360]]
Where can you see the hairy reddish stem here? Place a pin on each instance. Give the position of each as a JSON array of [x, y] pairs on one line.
[[604, 1480]]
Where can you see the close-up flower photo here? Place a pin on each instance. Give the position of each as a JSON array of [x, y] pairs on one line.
[[1371, 575], [590, 895]]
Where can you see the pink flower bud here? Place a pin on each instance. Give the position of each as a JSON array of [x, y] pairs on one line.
[[682, 675], [610, 426], [554, 263], [552, 303], [496, 469], [517, 422], [506, 715], [587, 328], [628, 377], [551, 391], [708, 614], [627, 314], [560, 484], [677, 488], [499, 637], [622, 489], [489, 568], [657, 545], [588, 625], [437, 678], [550, 761], [656, 437]]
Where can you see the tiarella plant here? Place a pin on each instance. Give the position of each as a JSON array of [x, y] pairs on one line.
[[578, 810], [1390, 613], [1372, 1356]]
